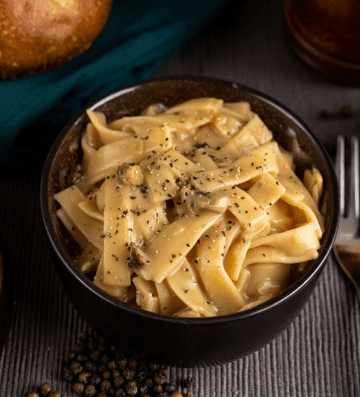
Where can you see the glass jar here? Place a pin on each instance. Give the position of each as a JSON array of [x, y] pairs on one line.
[[325, 34]]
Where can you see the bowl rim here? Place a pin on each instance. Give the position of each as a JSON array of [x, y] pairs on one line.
[[267, 306]]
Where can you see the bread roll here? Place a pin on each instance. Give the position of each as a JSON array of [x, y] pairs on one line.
[[39, 35]]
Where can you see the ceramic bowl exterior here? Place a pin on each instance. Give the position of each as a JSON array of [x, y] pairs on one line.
[[175, 340]]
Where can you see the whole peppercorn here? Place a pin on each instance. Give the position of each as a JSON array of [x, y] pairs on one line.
[[148, 382], [141, 376], [176, 394], [158, 388], [83, 377], [71, 355], [90, 390], [131, 388], [128, 373], [76, 367], [142, 389], [115, 373], [159, 378], [111, 365], [45, 389], [78, 388], [118, 381], [105, 385], [122, 362], [106, 375], [33, 394], [132, 364], [98, 369], [54, 393]]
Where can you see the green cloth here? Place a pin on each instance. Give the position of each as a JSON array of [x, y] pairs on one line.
[[138, 38]]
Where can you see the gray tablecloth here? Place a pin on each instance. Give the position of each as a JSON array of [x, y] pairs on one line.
[[317, 355]]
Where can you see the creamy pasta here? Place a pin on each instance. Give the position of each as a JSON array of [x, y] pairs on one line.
[[191, 211]]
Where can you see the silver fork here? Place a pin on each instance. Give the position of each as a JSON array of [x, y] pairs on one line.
[[347, 243]]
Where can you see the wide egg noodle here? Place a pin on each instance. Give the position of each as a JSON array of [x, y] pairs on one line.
[[107, 135], [266, 191], [185, 285], [89, 259], [77, 235], [118, 233], [157, 263], [209, 262], [292, 246], [146, 295], [124, 294], [258, 161], [126, 206], [191, 211], [291, 182], [252, 135], [168, 300], [313, 181], [91, 228]]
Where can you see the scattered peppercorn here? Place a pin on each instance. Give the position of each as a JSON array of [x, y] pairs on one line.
[[106, 375], [97, 369], [176, 394], [131, 388], [45, 389], [78, 388], [54, 393], [76, 367], [90, 390]]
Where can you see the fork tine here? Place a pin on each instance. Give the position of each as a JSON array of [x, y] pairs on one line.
[[354, 192], [340, 170]]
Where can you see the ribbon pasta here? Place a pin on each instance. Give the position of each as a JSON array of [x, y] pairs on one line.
[[191, 211]]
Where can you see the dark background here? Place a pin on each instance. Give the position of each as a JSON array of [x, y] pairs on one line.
[[318, 355]]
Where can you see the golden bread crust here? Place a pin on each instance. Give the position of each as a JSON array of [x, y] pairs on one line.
[[40, 35]]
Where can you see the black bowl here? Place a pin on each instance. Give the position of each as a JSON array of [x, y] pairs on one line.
[[174, 340]]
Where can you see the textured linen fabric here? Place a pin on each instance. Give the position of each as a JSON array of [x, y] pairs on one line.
[[318, 355], [138, 38]]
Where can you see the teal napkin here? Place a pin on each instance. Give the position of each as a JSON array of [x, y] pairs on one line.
[[138, 38]]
